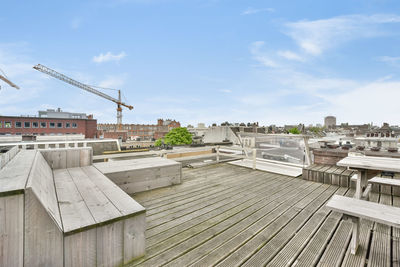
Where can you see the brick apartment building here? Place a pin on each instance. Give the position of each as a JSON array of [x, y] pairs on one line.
[[138, 131], [50, 122]]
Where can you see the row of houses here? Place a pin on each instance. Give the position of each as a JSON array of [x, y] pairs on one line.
[[58, 122]]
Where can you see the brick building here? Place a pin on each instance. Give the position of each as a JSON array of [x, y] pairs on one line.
[[139, 131], [45, 125]]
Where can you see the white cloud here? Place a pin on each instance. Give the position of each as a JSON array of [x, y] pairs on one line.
[[261, 56], [317, 36], [374, 101], [227, 91], [109, 57], [252, 10], [289, 55]]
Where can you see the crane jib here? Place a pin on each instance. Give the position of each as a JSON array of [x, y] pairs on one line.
[[83, 86]]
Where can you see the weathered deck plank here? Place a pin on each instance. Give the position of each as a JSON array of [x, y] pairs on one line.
[[227, 187], [313, 251], [214, 216], [254, 218], [214, 251], [365, 233], [288, 254], [267, 252], [187, 208], [379, 254], [164, 196], [221, 233]]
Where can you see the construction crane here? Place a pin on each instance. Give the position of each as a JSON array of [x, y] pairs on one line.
[[4, 78], [88, 88]]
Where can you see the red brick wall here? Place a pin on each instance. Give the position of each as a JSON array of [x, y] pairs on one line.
[[91, 128], [328, 156], [86, 127]]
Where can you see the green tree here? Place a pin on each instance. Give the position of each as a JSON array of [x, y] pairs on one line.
[[294, 130], [178, 136], [158, 142]]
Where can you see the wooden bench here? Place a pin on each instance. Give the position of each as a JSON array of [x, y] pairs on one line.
[[13, 177], [328, 174], [386, 185], [137, 175], [66, 217], [357, 209]]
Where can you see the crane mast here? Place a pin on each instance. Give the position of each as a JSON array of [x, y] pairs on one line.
[[85, 87]]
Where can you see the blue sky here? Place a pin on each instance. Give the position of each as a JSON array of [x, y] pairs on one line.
[[275, 62]]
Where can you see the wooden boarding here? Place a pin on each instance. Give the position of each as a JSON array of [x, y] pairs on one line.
[[14, 175], [328, 174], [314, 172], [203, 203], [367, 210], [396, 237], [253, 208], [139, 175], [385, 182], [371, 163], [8, 156], [280, 223], [66, 217], [270, 167], [365, 233], [12, 223], [68, 157], [319, 242], [336, 175], [345, 178], [381, 240], [306, 172]]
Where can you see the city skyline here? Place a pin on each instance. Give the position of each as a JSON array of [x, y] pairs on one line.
[[206, 61]]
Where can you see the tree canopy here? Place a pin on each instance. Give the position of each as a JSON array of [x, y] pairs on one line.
[[177, 136], [294, 130]]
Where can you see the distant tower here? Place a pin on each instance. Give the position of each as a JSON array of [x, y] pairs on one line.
[[330, 122]]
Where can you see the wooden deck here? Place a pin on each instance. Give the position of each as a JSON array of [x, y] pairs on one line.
[[224, 215]]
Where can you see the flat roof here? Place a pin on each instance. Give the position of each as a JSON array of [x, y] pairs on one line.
[[44, 118]]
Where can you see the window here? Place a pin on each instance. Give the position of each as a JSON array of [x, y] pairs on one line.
[[52, 125], [74, 125], [1, 124], [35, 124], [27, 124], [67, 125], [18, 124], [43, 124], [18, 134], [59, 124]]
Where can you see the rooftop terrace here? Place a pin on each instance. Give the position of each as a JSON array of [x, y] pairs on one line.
[[228, 215]]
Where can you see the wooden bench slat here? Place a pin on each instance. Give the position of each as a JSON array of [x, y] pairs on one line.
[[364, 209], [14, 175], [384, 181], [122, 201], [74, 212], [99, 205]]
